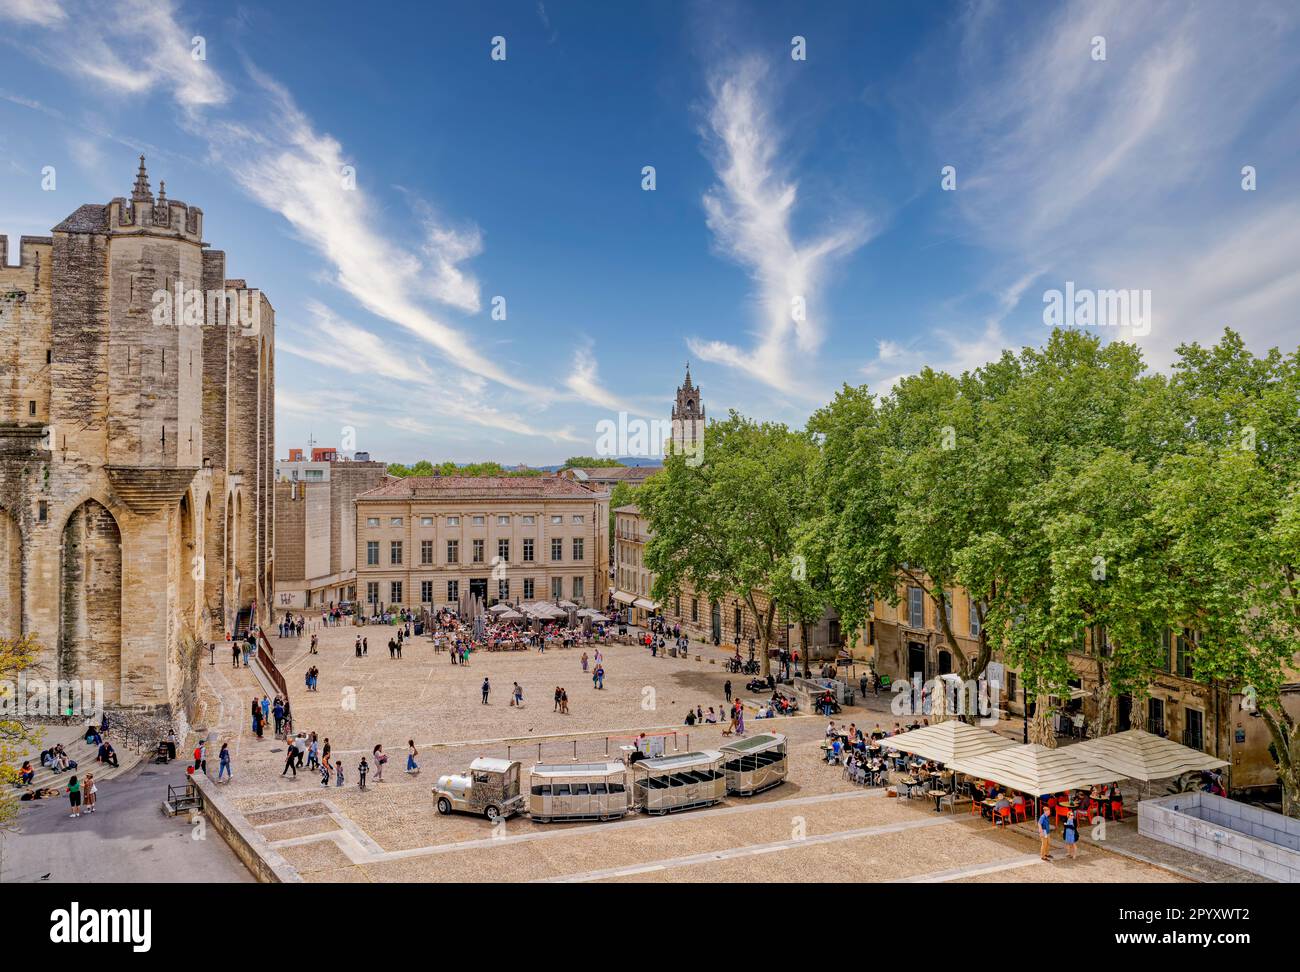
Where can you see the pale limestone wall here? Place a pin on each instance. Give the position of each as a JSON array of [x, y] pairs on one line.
[[542, 570], [112, 488], [317, 552]]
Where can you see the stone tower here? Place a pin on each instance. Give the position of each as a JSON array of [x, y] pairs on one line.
[[688, 418], [135, 448]]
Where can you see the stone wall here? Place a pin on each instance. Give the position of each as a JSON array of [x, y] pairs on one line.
[[1239, 834], [114, 437]]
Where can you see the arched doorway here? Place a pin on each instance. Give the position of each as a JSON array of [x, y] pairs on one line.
[[90, 599], [11, 576]]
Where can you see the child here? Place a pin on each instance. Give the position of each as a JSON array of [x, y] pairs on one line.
[[88, 786], [411, 765], [362, 769], [338, 766]]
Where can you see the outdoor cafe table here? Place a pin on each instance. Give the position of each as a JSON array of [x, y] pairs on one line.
[[911, 782]]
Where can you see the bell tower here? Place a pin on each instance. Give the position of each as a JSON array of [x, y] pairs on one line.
[[688, 418]]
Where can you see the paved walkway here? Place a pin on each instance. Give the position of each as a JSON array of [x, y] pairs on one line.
[[127, 839]]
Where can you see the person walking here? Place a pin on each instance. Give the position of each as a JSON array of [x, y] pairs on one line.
[[223, 763], [564, 701], [584, 662], [1045, 833], [1070, 831], [486, 689], [338, 767], [89, 791], [411, 752], [557, 699], [234, 655], [380, 758], [201, 758], [726, 690], [358, 646], [291, 760], [362, 769], [313, 752], [74, 797]]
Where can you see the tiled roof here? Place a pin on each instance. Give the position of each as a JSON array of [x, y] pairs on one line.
[[480, 487], [620, 472], [631, 509], [90, 218]]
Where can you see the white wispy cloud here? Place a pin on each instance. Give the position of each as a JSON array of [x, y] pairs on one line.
[[584, 381], [749, 210], [276, 154], [1123, 172], [44, 13]]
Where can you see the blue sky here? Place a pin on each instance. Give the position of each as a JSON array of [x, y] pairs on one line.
[[776, 178]]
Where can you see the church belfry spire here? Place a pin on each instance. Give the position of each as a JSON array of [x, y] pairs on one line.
[[688, 417]]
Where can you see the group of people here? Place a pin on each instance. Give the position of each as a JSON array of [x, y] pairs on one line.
[[734, 710], [264, 710], [291, 627]]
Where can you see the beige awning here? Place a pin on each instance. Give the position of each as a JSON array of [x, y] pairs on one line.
[[623, 597], [947, 741], [642, 602], [1036, 770], [1140, 755]]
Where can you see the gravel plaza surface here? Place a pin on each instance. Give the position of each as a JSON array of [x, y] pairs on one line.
[[815, 826]]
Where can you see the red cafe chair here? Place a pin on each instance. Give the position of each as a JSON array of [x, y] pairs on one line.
[[1117, 809]]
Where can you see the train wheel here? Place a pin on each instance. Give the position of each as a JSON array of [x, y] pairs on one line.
[[444, 805], [492, 813]]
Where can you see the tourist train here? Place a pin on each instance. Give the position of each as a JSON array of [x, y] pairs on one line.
[[610, 789]]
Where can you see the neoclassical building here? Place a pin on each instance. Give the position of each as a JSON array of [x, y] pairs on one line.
[[136, 435]]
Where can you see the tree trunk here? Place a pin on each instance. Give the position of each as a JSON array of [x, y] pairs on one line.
[[1286, 743], [1040, 726], [803, 646]]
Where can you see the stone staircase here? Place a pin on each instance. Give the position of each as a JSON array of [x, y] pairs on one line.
[[73, 739]]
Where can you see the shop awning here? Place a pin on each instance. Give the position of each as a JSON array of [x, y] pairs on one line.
[[649, 605], [946, 742], [1140, 755], [1036, 770], [623, 597]]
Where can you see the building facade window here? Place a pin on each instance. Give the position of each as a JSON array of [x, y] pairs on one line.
[[557, 521], [503, 551], [395, 592], [578, 588], [453, 552], [578, 519], [915, 607], [372, 553], [478, 551], [530, 520], [578, 551], [478, 521], [503, 589], [395, 552], [426, 521], [528, 588], [394, 521], [695, 609], [528, 550], [503, 521], [557, 588], [371, 521], [557, 548], [372, 592], [453, 521], [974, 615], [426, 551], [453, 591], [426, 592]]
